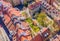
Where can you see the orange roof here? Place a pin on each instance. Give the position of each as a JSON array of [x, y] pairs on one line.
[[12, 27], [14, 11], [21, 31], [26, 38], [25, 24], [7, 19]]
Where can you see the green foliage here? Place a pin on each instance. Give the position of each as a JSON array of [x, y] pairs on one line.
[[23, 12], [28, 20], [34, 27], [41, 19]]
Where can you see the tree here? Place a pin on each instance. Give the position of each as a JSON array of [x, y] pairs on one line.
[[41, 18]]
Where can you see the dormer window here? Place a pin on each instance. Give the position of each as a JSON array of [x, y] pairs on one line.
[[46, 35], [22, 18]]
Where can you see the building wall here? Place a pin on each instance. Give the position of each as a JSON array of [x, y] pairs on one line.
[[37, 38]]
